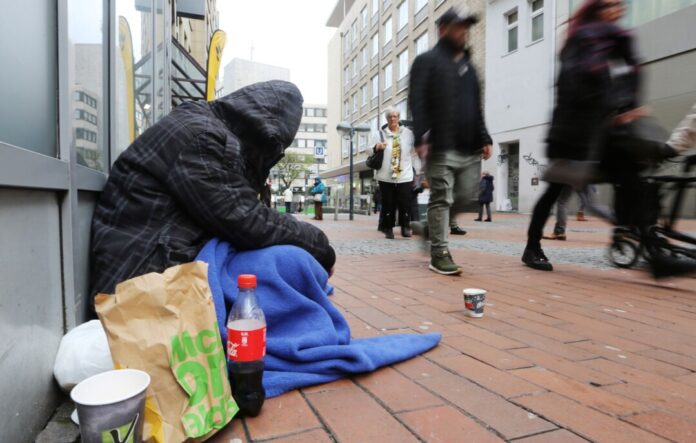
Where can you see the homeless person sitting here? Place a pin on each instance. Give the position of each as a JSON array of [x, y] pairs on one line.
[[196, 175]]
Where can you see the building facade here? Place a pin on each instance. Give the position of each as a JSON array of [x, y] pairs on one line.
[[195, 33], [370, 57], [240, 73], [95, 79], [524, 38]]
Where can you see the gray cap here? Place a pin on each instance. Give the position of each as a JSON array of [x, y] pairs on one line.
[[458, 14]]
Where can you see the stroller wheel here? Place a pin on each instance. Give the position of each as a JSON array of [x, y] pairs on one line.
[[624, 253]]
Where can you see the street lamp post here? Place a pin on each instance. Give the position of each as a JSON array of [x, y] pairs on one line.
[[346, 128]]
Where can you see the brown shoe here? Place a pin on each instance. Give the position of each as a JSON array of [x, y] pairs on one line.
[[581, 216], [555, 236]]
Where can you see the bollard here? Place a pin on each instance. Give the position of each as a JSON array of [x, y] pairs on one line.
[[337, 202]]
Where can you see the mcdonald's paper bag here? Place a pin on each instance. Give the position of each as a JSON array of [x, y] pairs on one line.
[[165, 324]]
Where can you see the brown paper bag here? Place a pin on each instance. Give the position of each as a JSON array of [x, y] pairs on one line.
[[165, 324]]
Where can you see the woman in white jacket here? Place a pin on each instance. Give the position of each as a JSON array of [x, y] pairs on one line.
[[395, 177], [684, 137]]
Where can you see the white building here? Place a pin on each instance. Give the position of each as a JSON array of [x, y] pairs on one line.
[[311, 134], [520, 73], [240, 73]]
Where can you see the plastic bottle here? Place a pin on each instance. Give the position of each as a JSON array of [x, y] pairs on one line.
[[246, 348]]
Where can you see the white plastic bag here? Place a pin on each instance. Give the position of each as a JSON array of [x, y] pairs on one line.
[[83, 352]]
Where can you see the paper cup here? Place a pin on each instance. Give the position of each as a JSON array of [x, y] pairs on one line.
[[474, 301], [110, 406]]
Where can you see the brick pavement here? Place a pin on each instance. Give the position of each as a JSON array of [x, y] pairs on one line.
[[586, 353]]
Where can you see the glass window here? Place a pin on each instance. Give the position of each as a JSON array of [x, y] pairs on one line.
[[388, 31], [355, 67], [310, 143], [301, 143], [364, 18], [346, 108], [512, 28], [134, 71], [355, 103], [362, 142], [402, 106], [29, 75], [363, 57], [375, 86], [403, 64], [537, 15], [346, 75], [422, 43], [420, 4], [388, 76], [354, 31], [309, 112], [403, 14], [363, 94], [375, 7], [375, 44], [85, 23], [374, 123]]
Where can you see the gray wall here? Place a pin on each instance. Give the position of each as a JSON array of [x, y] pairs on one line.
[[31, 309]]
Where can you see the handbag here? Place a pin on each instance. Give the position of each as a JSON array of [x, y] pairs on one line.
[[375, 160], [318, 197]]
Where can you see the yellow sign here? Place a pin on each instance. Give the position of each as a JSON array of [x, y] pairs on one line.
[[217, 44], [125, 43]]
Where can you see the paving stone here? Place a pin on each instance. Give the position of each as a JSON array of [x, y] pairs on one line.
[[666, 425], [287, 414], [396, 391], [59, 432], [444, 424], [558, 436]]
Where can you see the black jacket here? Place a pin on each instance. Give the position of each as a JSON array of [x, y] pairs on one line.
[[486, 189], [194, 175], [445, 99], [599, 77]]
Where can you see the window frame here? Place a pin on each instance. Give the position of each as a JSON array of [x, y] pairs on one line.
[[364, 18], [388, 36], [389, 77], [374, 84], [515, 26], [401, 75], [402, 14], [418, 39], [532, 16], [374, 42]]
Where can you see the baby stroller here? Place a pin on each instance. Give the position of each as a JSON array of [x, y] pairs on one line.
[[659, 242]]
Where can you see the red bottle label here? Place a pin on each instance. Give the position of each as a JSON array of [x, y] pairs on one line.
[[246, 345]]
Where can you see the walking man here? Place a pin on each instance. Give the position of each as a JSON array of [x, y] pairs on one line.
[[287, 197], [449, 129]]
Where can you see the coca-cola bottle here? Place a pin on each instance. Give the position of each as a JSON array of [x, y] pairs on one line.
[[246, 348]]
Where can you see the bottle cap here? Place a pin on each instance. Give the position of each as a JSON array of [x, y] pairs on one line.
[[246, 281]]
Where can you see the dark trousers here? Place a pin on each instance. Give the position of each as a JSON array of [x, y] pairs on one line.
[[288, 208], [542, 211], [396, 197], [318, 211], [488, 210]]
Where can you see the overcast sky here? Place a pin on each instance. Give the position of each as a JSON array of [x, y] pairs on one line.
[[287, 33]]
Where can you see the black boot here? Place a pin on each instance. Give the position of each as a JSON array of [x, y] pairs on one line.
[[456, 230], [389, 233], [536, 259], [405, 232]]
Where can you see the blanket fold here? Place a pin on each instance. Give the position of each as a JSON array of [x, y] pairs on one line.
[[308, 339]]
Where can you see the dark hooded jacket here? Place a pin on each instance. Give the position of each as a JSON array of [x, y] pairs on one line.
[[445, 100], [599, 78], [486, 189], [197, 174]]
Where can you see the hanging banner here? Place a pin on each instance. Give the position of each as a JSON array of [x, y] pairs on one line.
[[125, 43], [217, 44]]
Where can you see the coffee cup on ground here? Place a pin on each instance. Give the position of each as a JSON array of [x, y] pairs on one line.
[[474, 301], [111, 406]]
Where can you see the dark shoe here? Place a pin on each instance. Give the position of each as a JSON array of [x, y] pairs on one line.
[[478, 219], [442, 263], [488, 220], [536, 259], [389, 233], [457, 231], [556, 236], [406, 233]]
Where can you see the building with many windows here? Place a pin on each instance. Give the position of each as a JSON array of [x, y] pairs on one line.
[[369, 62], [523, 38]]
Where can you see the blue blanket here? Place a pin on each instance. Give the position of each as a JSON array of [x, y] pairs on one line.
[[308, 340]]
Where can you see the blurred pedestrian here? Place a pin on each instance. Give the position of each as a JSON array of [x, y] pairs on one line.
[[684, 136], [317, 192], [287, 197], [302, 202], [265, 195], [449, 128], [485, 196], [395, 177], [597, 86]]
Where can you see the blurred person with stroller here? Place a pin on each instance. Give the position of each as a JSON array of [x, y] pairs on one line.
[[450, 131], [395, 177], [485, 196], [586, 203]]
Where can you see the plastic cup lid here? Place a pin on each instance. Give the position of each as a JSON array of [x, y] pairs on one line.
[[474, 291]]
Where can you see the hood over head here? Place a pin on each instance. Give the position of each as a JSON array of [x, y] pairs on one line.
[[489, 178], [265, 116]]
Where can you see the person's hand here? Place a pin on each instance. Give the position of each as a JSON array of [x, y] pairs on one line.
[[487, 152], [632, 115], [422, 150], [381, 146]]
